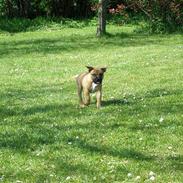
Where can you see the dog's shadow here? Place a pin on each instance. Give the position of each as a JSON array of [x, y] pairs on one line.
[[114, 102]]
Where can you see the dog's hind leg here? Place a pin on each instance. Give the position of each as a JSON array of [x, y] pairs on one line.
[[80, 96], [80, 89]]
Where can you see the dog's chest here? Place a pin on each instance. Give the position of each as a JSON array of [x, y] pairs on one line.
[[94, 87]]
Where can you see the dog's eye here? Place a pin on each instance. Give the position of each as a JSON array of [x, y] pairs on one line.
[[94, 75]]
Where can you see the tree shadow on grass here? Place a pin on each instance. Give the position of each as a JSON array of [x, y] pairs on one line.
[[31, 93], [177, 162], [104, 150], [63, 110], [71, 43], [149, 95], [70, 167], [42, 114], [24, 139], [66, 110]]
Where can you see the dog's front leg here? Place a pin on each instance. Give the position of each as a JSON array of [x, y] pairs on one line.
[[86, 97], [99, 97]]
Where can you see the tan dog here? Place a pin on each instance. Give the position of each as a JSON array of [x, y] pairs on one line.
[[90, 82]]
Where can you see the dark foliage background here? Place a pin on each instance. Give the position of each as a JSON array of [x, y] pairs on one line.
[[34, 8], [162, 15]]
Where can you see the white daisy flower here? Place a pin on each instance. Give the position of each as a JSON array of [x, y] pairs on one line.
[[151, 173], [137, 178], [68, 178], [129, 175], [152, 178], [161, 119]]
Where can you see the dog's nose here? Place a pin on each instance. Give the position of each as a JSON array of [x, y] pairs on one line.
[[98, 80]]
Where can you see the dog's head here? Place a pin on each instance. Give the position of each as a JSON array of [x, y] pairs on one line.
[[97, 74]]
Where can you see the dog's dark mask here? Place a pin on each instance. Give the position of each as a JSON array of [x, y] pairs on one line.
[[98, 79], [97, 74]]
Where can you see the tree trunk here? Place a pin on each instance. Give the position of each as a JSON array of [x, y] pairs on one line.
[[101, 29]]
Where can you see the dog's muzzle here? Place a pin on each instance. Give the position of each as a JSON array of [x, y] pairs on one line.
[[97, 80]]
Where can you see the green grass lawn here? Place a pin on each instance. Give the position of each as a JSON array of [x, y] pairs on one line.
[[46, 137]]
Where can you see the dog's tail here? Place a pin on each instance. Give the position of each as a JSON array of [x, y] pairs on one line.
[[75, 77]]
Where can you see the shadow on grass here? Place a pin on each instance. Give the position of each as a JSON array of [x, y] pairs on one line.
[[70, 167], [113, 102], [103, 150], [63, 110], [72, 43], [149, 95], [26, 139], [177, 162], [35, 127], [36, 91], [134, 106]]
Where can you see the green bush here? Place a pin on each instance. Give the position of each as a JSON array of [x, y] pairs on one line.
[[161, 15], [23, 24]]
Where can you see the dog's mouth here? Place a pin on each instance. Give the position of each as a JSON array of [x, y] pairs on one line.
[[97, 81]]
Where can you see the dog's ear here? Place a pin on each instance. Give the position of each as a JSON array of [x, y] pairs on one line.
[[90, 68], [104, 69]]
